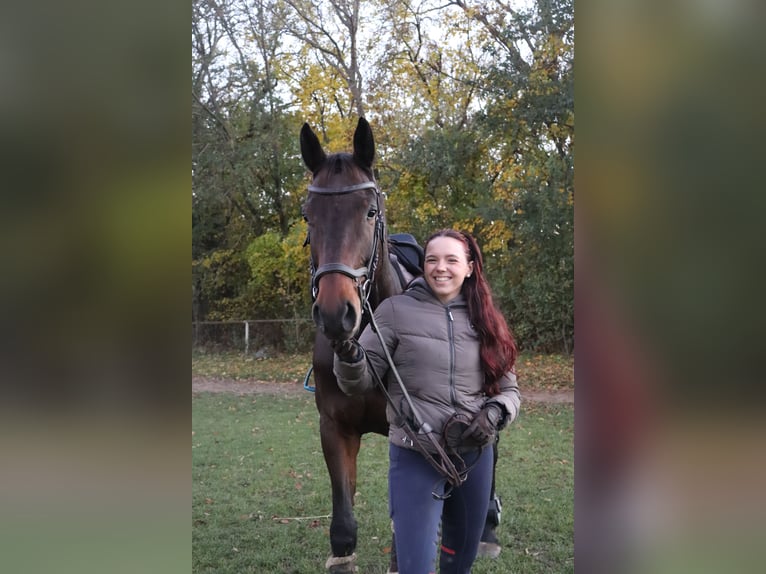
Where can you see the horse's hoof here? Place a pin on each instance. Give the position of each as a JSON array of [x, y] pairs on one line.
[[489, 549], [342, 564]]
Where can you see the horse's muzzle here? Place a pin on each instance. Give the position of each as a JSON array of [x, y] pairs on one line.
[[337, 310]]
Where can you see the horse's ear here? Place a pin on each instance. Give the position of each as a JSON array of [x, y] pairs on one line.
[[311, 150], [364, 144]]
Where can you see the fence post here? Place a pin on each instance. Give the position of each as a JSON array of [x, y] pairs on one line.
[[247, 337]]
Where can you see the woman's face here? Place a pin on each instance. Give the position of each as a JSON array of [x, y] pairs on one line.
[[446, 267]]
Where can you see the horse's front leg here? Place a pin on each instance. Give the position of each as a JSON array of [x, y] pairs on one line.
[[340, 450], [393, 564]]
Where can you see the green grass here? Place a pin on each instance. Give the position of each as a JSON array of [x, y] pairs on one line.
[[283, 368], [536, 372], [257, 466]]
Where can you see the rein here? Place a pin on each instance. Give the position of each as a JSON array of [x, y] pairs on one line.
[[414, 425], [367, 271]]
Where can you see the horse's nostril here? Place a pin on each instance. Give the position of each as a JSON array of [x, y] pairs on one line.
[[349, 318], [317, 316]]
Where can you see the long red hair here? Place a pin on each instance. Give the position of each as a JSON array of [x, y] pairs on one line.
[[497, 346]]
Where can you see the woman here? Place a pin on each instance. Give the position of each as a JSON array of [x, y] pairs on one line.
[[455, 355]]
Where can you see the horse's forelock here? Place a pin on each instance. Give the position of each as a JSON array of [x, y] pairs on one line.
[[338, 164]]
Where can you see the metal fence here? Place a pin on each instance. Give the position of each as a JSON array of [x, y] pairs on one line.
[[254, 335]]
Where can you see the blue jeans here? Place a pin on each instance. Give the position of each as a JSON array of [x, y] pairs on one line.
[[417, 513]]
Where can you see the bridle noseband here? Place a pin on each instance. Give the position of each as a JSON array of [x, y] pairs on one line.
[[368, 270]]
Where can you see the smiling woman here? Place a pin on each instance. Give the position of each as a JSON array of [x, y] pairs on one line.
[[447, 266], [448, 357]]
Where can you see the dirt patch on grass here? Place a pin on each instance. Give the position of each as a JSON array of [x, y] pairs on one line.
[[244, 387], [255, 387]]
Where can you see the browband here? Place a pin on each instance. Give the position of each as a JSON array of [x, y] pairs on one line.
[[346, 189]]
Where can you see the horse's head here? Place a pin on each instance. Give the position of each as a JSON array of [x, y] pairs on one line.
[[344, 212]]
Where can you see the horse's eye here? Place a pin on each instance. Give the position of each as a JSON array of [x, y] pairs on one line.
[[372, 213]]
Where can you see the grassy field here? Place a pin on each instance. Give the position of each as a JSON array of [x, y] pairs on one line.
[[261, 500], [535, 372]]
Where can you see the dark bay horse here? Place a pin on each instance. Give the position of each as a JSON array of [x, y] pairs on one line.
[[350, 265], [345, 212]]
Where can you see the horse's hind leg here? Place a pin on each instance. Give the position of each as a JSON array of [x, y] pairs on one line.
[[490, 545], [340, 450]]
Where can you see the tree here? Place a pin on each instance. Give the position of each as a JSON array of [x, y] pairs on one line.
[[529, 127], [243, 174], [331, 31], [472, 107], [279, 281]]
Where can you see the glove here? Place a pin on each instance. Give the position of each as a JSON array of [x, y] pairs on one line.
[[348, 350], [484, 425]]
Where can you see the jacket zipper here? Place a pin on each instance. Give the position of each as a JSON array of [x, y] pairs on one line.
[[451, 336]]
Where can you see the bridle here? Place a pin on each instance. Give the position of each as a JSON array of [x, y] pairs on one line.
[[368, 270]]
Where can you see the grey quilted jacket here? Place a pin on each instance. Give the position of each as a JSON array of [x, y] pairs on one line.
[[436, 352]]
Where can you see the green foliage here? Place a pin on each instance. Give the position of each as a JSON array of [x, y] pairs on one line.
[[279, 277], [537, 272], [440, 180], [529, 126], [217, 279], [270, 280]]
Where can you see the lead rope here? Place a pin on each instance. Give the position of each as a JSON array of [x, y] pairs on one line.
[[444, 464]]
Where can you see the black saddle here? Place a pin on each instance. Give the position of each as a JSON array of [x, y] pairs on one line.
[[409, 256]]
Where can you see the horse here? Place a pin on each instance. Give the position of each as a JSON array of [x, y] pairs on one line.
[[344, 211], [350, 270]]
